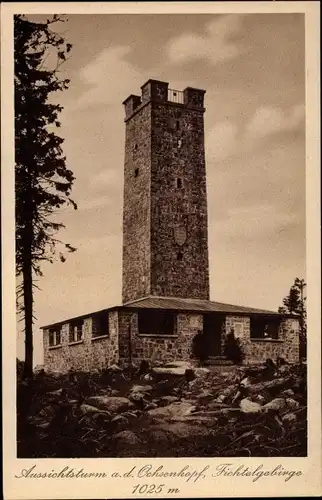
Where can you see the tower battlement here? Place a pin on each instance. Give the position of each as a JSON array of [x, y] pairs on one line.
[[157, 91]]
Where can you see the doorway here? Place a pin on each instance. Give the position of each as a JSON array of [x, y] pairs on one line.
[[212, 331]]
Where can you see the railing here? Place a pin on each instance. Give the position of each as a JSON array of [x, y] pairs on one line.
[[175, 96]]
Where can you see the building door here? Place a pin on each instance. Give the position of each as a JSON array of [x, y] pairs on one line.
[[212, 330]]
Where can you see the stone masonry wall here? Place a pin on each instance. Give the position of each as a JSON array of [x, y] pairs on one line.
[[89, 354], [256, 351], [178, 203], [136, 206], [163, 347]]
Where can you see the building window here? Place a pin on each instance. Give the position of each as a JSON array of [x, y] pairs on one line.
[[54, 337], [177, 125], [76, 331], [155, 322], [135, 147], [136, 172], [179, 183], [179, 256], [264, 328], [179, 143], [100, 324]]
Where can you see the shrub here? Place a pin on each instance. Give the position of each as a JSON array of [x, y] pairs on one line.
[[199, 347], [233, 350]]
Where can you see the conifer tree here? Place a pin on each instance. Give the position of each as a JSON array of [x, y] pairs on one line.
[[43, 182], [295, 303]]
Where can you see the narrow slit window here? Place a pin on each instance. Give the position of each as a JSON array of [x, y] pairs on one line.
[[179, 256], [136, 172], [179, 143], [179, 183], [54, 337], [177, 125]]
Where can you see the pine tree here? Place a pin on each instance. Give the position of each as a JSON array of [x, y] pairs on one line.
[[43, 183], [295, 303]]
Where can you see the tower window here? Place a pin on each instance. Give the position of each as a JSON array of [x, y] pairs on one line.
[[177, 125], [179, 143], [136, 172], [179, 182], [135, 147], [179, 256]]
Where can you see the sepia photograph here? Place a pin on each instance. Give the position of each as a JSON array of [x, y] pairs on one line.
[[160, 217], [160, 235], [160, 225]]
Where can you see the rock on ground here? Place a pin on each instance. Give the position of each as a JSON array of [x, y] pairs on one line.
[[114, 404], [126, 438], [172, 411]]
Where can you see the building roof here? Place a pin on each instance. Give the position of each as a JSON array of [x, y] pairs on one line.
[[174, 303], [178, 304]]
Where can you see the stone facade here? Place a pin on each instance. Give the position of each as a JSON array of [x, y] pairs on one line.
[[89, 354], [257, 350], [162, 347], [165, 199], [124, 344]]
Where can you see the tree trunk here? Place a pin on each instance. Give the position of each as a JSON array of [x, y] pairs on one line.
[[28, 301]]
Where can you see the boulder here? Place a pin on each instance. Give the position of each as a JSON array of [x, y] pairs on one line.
[[120, 420], [58, 392], [151, 406], [205, 396], [201, 372], [86, 409], [175, 368], [114, 404], [292, 404], [114, 392], [172, 411], [169, 399], [248, 406], [126, 438], [288, 393], [181, 430], [276, 404], [289, 419], [137, 397], [246, 382], [142, 389], [227, 393]]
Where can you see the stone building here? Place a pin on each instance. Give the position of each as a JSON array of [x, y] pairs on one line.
[[165, 280]]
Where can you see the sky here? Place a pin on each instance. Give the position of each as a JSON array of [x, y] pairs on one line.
[[252, 67]]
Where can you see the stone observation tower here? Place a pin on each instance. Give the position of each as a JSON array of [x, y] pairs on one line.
[[165, 301], [165, 241]]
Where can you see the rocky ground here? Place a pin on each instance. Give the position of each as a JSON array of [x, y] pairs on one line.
[[166, 411]]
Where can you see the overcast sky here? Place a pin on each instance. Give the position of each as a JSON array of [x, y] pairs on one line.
[[252, 68]]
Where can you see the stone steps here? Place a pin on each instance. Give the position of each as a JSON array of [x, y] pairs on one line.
[[218, 361]]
